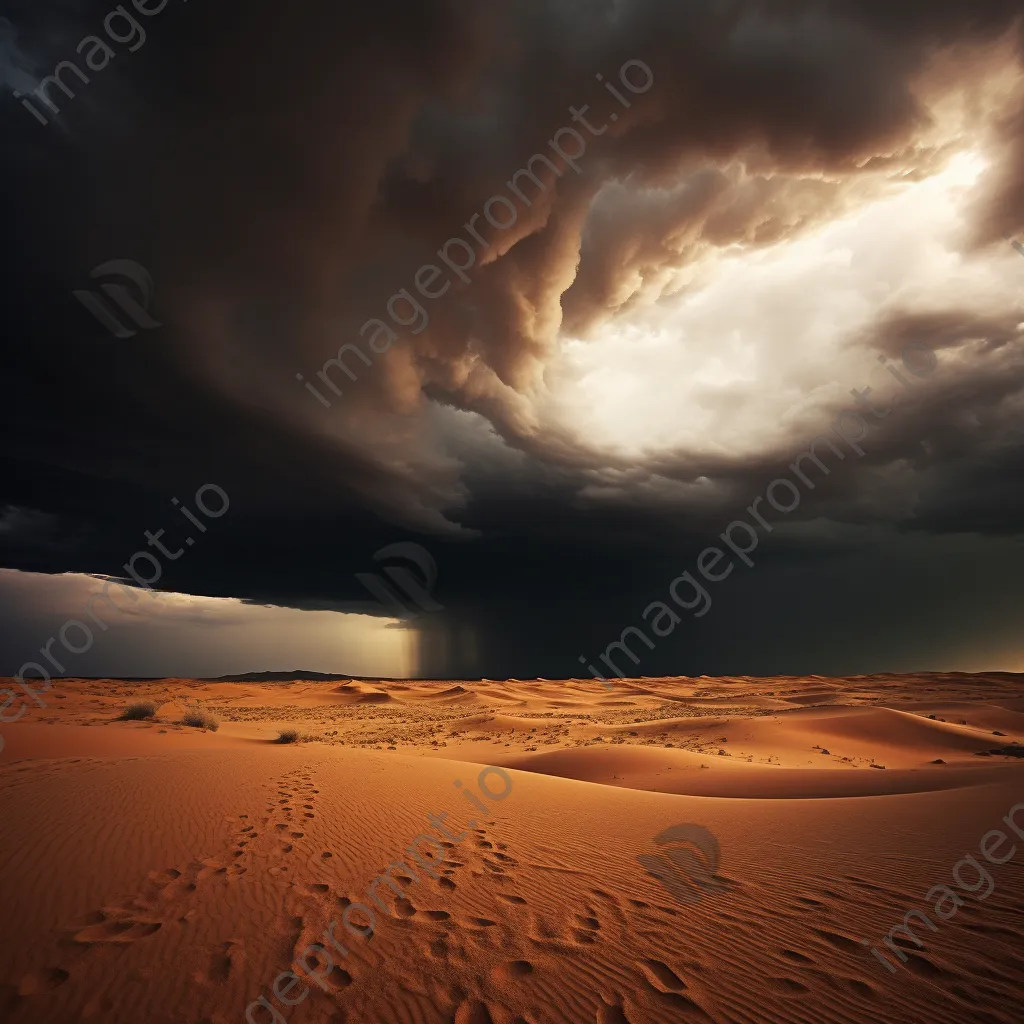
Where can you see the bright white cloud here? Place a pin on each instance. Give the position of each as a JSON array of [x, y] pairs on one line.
[[725, 366]]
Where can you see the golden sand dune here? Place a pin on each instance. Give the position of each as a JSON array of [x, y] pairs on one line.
[[159, 873], [672, 771]]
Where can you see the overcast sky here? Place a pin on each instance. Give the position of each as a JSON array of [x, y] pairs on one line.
[[591, 395]]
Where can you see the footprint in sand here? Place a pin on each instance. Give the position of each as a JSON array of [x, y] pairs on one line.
[[786, 986], [661, 977], [220, 965], [473, 1012], [842, 942], [799, 958], [42, 981], [512, 970], [405, 907], [164, 878], [808, 902], [120, 929]]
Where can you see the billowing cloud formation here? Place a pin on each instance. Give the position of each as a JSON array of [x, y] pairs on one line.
[[611, 359]]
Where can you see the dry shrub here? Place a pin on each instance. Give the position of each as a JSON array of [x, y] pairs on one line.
[[138, 712], [200, 720]]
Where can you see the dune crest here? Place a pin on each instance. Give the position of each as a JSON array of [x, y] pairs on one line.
[[680, 849]]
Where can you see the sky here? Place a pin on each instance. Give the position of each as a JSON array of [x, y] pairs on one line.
[[557, 292]]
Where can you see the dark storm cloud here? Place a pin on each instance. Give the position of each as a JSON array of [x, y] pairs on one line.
[[283, 172]]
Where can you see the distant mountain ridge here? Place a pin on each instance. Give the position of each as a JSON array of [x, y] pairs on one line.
[[276, 677]]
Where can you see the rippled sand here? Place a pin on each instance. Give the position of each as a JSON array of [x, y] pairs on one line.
[[158, 873]]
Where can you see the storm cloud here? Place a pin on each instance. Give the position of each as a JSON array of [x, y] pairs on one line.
[[806, 187]]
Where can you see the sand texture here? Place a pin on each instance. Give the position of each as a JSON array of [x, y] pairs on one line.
[[154, 872]]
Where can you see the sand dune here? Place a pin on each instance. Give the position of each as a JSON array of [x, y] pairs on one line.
[[159, 873], [672, 771]]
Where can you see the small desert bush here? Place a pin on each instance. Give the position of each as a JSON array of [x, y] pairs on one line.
[[137, 712], [288, 736], [200, 720]]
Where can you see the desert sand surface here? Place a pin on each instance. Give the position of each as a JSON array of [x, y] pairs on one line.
[[162, 873]]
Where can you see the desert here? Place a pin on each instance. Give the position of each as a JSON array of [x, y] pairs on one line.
[[161, 872], [512, 512]]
